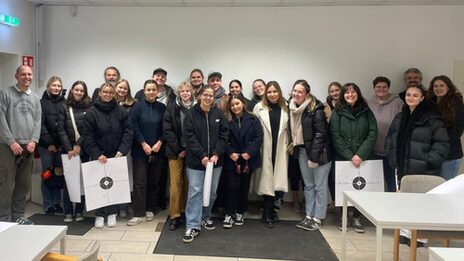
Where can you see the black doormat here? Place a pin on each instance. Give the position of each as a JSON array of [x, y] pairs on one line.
[[74, 228], [252, 240]]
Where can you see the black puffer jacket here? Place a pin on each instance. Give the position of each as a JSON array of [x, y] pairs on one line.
[[107, 130], [426, 149], [206, 135], [65, 126], [316, 134], [172, 128], [50, 110]]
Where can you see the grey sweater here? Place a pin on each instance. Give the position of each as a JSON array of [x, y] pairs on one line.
[[20, 116]]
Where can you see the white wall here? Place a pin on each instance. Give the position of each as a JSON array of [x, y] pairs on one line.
[[320, 44], [16, 40]]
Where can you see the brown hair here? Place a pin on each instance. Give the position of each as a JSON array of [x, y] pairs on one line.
[[281, 100]]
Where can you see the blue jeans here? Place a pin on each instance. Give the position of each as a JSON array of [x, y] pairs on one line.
[[51, 197], [195, 211], [450, 168], [315, 189], [388, 174]]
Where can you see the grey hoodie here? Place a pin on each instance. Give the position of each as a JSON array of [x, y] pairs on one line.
[[384, 112]]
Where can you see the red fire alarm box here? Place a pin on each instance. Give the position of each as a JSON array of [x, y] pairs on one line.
[[28, 60]]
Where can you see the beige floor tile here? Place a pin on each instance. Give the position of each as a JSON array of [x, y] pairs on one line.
[[140, 257], [144, 226], [254, 259], [370, 245], [124, 246], [336, 244], [204, 258], [73, 245], [140, 236], [363, 255], [152, 246], [104, 234]]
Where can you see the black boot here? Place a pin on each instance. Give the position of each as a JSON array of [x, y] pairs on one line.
[[268, 218]]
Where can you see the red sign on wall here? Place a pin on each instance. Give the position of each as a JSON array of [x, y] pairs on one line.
[[28, 60]]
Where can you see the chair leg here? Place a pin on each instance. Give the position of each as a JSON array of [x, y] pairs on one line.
[[413, 249], [446, 242], [396, 244]]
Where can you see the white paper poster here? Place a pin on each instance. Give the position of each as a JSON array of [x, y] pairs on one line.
[[368, 177], [73, 176], [454, 186], [207, 184], [106, 184]]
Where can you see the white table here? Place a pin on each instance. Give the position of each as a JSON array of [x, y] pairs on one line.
[[31, 242], [388, 210], [446, 254]]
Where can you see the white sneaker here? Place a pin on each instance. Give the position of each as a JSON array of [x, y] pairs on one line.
[[99, 222], [150, 215], [135, 221], [112, 220]]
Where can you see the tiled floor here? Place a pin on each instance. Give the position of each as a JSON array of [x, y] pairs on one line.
[[138, 242]]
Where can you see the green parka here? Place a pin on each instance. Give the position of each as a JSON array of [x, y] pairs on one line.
[[353, 132]]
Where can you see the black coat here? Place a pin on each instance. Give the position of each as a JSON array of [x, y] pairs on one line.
[[107, 130], [427, 148], [65, 126], [206, 135], [248, 138], [50, 110], [316, 134], [172, 128]]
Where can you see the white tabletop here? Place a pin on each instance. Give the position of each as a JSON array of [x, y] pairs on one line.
[[446, 254], [29, 242], [410, 210]]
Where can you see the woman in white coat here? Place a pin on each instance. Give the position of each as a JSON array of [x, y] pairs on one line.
[[272, 111]]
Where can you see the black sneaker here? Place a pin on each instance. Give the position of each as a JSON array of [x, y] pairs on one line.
[[190, 235], [174, 223], [208, 224], [278, 205], [50, 211], [348, 225], [306, 224], [228, 222], [58, 210], [24, 221], [239, 219], [357, 226]]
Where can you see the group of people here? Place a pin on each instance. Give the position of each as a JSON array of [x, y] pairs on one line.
[[267, 141]]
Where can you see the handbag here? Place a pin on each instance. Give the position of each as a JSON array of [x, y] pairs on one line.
[[53, 177]]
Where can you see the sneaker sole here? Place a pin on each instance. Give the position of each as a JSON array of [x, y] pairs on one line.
[[68, 221], [239, 224], [305, 228], [357, 230], [227, 226], [79, 219]]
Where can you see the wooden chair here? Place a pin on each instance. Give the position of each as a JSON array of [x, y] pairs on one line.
[[422, 184], [92, 255]]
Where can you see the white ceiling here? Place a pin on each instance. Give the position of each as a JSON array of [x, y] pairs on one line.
[[232, 3]]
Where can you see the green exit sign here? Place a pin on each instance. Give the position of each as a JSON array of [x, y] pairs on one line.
[[9, 20]]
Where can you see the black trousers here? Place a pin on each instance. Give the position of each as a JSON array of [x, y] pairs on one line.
[[238, 186], [147, 177]]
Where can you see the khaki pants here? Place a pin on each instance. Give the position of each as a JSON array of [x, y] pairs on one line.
[[178, 187], [15, 183]]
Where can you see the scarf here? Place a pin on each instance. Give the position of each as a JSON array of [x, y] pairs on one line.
[[163, 96], [296, 113]]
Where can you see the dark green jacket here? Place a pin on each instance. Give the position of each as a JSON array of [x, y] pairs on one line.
[[353, 133]]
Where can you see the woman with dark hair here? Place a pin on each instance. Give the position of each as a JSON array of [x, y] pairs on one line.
[[49, 143], [173, 126], [272, 177], [196, 80], [446, 98], [206, 132], [235, 88], [70, 125], [242, 158], [147, 153], [107, 133], [259, 88], [311, 145], [417, 141], [353, 131], [385, 106]]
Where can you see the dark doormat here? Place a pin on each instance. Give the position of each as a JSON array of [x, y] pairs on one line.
[[252, 240], [74, 228]]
